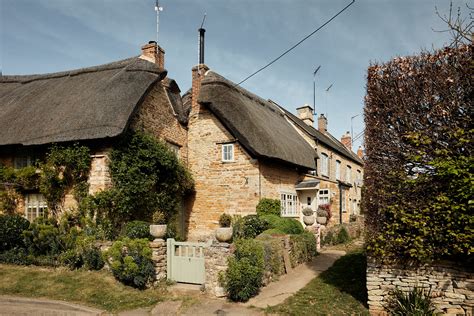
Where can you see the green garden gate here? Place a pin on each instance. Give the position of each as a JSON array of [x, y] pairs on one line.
[[186, 261]]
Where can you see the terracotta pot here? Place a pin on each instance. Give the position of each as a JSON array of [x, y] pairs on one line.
[[321, 220], [158, 231], [224, 234], [308, 220]]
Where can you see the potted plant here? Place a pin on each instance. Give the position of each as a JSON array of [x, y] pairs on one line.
[[158, 228], [224, 232], [321, 215], [308, 216]]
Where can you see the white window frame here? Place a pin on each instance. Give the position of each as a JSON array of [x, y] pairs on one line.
[[348, 174], [289, 204], [354, 207], [324, 196], [338, 170], [22, 162], [343, 201], [324, 164], [227, 152], [35, 206]]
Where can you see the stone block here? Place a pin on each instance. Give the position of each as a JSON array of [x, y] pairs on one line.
[[375, 298]]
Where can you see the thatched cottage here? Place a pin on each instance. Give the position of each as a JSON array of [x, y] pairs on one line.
[[93, 106]]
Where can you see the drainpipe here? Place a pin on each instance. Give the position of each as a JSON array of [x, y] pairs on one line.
[[340, 203]]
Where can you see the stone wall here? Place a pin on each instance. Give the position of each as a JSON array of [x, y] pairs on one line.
[[158, 248], [452, 286], [216, 262]]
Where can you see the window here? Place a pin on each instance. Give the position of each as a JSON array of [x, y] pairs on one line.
[[22, 162], [289, 202], [349, 174], [343, 200], [228, 152], [323, 196], [338, 170], [324, 165], [359, 175], [35, 206], [174, 148], [354, 207], [308, 201]]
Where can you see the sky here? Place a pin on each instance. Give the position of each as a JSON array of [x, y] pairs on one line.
[[42, 36]]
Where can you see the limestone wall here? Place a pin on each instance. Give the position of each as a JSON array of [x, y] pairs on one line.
[[452, 286], [216, 262], [158, 248]]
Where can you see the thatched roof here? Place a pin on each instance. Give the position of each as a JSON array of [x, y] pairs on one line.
[[84, 104], [257, 124], [327, 140]]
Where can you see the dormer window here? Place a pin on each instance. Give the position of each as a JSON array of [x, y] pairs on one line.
[[227, 152]]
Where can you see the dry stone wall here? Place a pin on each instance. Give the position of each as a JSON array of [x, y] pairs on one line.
[[451, 285], [158, 248], [216, 263]]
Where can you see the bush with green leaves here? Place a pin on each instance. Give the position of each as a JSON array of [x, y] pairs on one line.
[[269, 206], [21, 256], [303, 248], [245, 270], [414, 302], [225, 220], [342, 235], [137, 229], [131, 263], [286, 225], [11, 231], [43, 237], [249, 226], [86, 254], [273, 253]]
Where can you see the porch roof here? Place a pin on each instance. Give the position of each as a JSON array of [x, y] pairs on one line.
[[307, 185]]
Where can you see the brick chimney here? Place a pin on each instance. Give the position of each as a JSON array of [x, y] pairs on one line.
[[305, 113], [198, 73], [360, 152], [322, 123], [346, 140], [154, 53]]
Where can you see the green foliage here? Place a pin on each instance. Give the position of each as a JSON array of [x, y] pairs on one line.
[[27, 177], [273, 231], [43, 237], [158, 218], [273, 253], [85, 254], [269, 207], [8, 200], [245, 271], [20, 256], [24, 178], [303, 248], [249, 226], [65, 168], [416, 302], [130, 261], [286, 225], [11, 231], [98, 217], [419, 173], [225, 220], [328, 239], [307, 211], [342, 236], [146, 177], [137, 229]]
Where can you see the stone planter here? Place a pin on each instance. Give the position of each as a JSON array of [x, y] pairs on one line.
[[158, 231], [321, 220], [224, 234], [308, 220]]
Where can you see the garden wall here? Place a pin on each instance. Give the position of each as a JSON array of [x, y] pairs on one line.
[[452, 286]]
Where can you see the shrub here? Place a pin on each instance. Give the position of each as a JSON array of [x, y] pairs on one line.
[[342, 236], [249, 226], [20, 256], [245, 271], [130, 262], [307, 211], [85, 254], [137, 229], [286, 225], [11, 231], [159, 218], [303, 248], [273, 253], [43, 237], [225, 220], [328, 239], [269, 206], [415, 302], [272, 231], [321, 212]]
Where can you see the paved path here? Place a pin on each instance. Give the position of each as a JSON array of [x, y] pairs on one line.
[[271, 295]]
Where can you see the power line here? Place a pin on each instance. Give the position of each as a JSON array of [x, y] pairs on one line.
[[296, 45]]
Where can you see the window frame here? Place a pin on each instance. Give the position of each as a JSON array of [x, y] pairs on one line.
[[38, 205], [348, 173], [231, 152], [324, 164], [338, 170], [343, 201], [285, 203], [324, 196]]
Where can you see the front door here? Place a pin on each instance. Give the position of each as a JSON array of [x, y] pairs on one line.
[[308, 198]]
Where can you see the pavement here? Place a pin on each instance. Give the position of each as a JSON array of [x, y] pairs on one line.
[[271, 295]]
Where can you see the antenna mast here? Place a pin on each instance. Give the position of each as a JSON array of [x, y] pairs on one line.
[[314, 89], [157, 9]]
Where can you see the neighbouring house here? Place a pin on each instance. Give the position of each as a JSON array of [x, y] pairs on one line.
[[340, 171], [92, 106], [243, 148]]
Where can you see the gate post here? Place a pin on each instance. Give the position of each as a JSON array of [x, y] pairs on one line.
[[169, 256]]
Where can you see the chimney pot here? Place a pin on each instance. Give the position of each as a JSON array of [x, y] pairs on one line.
[[305, 113], [360, 152], [153, 53], [322, 123], [346, 140]]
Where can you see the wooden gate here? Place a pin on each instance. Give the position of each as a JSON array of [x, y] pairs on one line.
[[186, 262]]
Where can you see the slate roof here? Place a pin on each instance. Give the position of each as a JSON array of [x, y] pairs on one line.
[[84, 104], [326, 139], [257, 124]]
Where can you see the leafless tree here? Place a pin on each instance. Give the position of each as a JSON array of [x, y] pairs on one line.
[[459, 25]]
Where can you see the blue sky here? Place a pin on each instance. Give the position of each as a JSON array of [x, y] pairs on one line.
[[40, 36]]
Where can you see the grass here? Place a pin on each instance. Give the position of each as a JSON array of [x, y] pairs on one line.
[[94, 288], [340, 290]]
